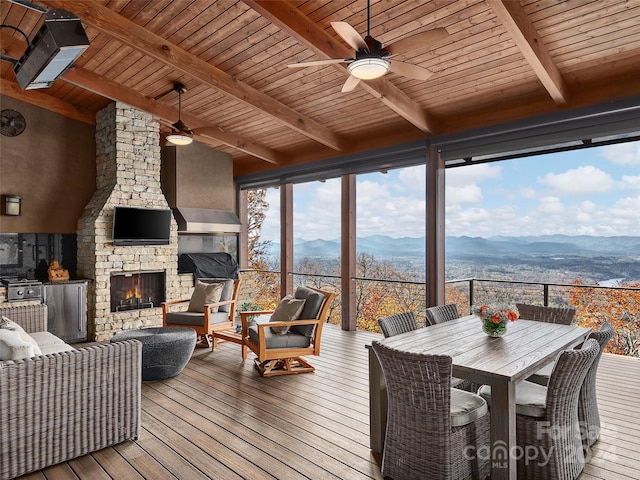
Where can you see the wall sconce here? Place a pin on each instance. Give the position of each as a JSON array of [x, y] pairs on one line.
[[12, 205]]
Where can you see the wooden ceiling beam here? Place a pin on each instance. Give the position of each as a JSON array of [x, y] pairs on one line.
[[513, 17], [137, 37], [289, 19], [39, 99], [203, 131], [12, 46]]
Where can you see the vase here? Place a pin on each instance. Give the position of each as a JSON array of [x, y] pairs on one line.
[[494, 329]]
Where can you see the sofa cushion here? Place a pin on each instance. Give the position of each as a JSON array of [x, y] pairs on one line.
[[44, 339], [288, 310], [13, 347], [205, 293], [10, 325], [56, 348]]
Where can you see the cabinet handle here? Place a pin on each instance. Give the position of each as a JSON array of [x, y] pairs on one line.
[[79, 308]]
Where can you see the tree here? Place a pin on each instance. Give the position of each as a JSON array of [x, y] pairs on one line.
[[266, 285], [619, 307]]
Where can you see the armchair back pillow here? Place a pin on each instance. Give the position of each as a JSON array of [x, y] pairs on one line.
[[288, 310], [203, 294]]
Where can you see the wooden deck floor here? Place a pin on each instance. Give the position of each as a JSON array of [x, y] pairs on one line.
[[219, 419]]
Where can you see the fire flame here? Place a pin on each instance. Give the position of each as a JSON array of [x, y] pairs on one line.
[[135, 293]]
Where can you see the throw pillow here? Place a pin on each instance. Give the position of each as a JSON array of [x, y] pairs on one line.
[[8, 324], [288, 310], [13, 347], [205, 293]]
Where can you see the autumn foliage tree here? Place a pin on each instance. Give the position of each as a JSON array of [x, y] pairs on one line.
[[266, 287], [619, 307]]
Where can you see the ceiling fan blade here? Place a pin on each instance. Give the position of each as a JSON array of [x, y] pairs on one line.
[[419, 41], [312, 63], [350, 85], [349, 35], [410, 71]]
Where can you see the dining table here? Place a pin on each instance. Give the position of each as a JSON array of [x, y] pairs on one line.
[[500, 362]]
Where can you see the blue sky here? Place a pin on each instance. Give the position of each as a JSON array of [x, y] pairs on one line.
[[594, 191]]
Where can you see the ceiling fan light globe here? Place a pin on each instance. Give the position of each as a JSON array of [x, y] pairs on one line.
[[178, 139], [368, 68]]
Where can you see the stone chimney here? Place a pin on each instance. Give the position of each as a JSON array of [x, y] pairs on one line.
[[128, 174]]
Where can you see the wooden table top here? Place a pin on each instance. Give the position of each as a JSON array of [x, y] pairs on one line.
[[525, 348]]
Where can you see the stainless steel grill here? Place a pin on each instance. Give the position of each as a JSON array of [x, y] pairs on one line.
[[22, 289]]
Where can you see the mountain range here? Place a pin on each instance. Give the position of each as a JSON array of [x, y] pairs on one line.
[[497, 246]]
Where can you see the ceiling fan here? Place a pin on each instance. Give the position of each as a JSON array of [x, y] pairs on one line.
[[372, 60], [180, 133]]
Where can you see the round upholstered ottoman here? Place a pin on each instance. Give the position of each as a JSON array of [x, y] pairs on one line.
[[165, 350]]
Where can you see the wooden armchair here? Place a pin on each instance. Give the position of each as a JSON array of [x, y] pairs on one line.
[[281, 354], [215, 316]]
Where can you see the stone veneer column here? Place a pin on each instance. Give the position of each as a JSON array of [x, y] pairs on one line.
[[128, 174]]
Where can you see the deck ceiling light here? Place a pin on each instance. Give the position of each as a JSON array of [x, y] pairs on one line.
[[368, 68], [180, 133]]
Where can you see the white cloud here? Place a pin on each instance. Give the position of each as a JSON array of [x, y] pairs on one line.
[[473, 174], [550, 206], [585, 180], [622, 153], [527, 192], [465, 194], [629, 182], [477, 202]]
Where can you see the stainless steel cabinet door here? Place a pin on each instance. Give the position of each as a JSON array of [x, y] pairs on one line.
[[67, 306]]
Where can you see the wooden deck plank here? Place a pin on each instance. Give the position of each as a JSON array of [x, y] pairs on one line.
[[220, 419]]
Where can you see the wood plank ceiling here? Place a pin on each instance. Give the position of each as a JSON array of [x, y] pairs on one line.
[[502, 61]]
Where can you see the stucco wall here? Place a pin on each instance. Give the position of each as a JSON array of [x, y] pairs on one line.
[[51, 165]]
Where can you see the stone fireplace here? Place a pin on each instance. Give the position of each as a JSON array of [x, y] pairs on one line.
[[128, 174]]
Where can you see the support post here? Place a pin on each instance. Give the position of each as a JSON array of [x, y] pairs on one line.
[[348, 253], [435, 234], [286, 239]]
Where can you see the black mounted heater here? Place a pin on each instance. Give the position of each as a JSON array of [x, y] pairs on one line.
[[59, 42]]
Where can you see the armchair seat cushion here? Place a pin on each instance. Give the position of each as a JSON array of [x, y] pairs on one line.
[[274, 340], [195, 318]]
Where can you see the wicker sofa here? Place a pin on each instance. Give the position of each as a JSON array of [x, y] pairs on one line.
[[58, 406]]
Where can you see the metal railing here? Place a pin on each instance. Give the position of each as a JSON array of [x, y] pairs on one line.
[[380, 297]]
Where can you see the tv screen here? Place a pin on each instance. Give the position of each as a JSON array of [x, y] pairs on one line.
[[141, 226]]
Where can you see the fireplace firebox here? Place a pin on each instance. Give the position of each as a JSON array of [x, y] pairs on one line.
[[137, 290]]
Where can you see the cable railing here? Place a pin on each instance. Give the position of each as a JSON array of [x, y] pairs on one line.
[[375, 298]]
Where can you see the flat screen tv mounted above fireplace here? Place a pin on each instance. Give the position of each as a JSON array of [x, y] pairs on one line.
[[141, 226]]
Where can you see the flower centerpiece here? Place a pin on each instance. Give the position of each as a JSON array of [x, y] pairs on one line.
[[495, 317]]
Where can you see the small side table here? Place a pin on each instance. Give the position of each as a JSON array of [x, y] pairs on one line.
[[165, 350]]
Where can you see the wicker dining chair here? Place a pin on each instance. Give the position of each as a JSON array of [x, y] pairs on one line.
[[405, 322], [547, 418], [442, 313], [445, 313], [588, 414], [563, 316], [541, 377], [433, 431], [397, 323]]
